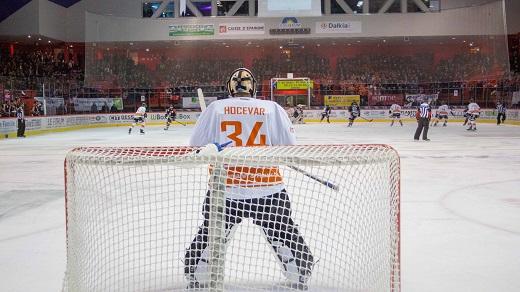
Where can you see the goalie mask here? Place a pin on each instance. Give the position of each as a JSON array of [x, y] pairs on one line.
[[242, 83]]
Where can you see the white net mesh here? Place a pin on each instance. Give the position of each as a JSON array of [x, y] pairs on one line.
[[168, 219]]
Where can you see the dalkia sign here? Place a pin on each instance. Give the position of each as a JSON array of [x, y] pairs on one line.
[[338, 27]]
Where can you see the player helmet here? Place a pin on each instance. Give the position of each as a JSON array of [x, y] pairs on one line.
[[143, 104], [242, 82]]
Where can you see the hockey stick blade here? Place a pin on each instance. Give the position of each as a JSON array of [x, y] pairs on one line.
[[367, 119], [202, 102], [181, 123], [309, 175]]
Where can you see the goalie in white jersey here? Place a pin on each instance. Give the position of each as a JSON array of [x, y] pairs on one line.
[[395, 111], [139, 118], [257, 193]]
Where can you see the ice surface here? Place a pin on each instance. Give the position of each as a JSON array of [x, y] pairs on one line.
[[460, 200]]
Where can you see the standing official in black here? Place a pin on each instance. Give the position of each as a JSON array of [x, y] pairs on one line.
[[423, 115], [20, 117], [501, 116]]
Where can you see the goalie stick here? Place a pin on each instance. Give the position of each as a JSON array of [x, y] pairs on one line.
[[214, 148], [309, 175], [202, 102]]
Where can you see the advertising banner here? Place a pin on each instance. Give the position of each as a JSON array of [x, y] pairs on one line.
[[385, 100], [338, 27], [87, 104], [191, 30], [341, 100], [193, 102], [417, 99], [290, 25], [292, 84], [241, 28]]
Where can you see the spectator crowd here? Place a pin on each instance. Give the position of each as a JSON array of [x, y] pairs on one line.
[[363, 73]]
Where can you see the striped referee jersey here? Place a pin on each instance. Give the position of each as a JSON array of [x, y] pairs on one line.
[[501, 109], [425, 110]]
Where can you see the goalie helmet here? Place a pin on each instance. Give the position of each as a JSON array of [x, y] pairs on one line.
[[242, 82]]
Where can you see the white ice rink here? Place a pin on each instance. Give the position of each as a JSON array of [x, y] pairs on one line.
[[460, 202]]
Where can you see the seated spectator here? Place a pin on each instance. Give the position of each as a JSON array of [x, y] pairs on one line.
[[104, 108], [113, 108], [36, 109], [94, 108], [60, 110]]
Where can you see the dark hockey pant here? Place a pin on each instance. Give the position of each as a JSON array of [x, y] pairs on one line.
[[423, 125], [21, 128], [325, 116], [272, 213], [501, 117]]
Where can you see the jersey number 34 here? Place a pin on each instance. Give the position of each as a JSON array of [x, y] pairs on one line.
[[237, 131]]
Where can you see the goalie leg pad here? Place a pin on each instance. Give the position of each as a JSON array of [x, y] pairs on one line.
[[196, 265], [274, 216]]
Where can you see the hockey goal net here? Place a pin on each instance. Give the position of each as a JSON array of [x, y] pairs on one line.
[[157, 219]]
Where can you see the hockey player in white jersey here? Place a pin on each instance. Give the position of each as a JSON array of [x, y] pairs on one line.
[[474, 113], [243, 120], [442, 115], [395, 112], [139, 118]]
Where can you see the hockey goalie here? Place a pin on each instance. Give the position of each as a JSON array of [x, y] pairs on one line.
[[256, 193]]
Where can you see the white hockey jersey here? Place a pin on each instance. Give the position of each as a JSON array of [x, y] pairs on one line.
[[443, 110], [140, 112], [246, 122], [395, 108], [473, 109]]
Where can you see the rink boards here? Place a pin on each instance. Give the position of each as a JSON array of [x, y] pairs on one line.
[[41, 125]]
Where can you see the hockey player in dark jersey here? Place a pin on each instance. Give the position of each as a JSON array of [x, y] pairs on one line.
[[326, 113], [354, 113], [170, 116]]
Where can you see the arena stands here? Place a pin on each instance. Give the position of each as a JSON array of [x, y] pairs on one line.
[[119, 73]]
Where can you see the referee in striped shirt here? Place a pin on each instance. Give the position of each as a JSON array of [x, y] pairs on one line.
[[423, 116], [501, 116]]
